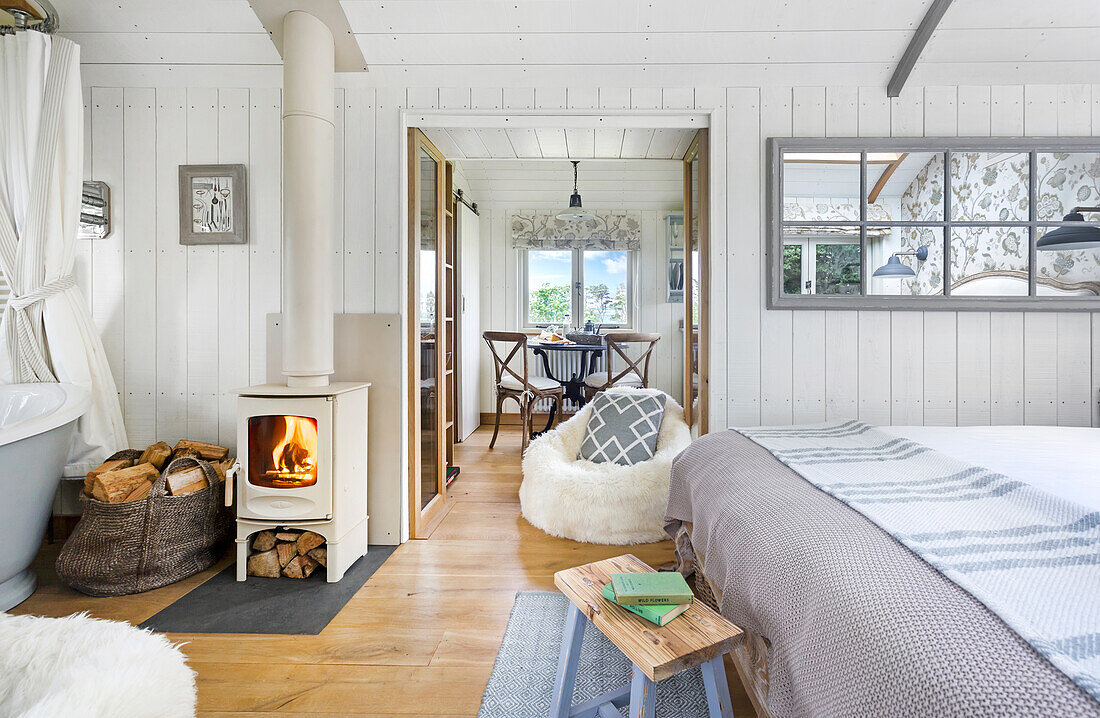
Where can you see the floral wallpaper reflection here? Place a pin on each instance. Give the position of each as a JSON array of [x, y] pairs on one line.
[[994, 187]]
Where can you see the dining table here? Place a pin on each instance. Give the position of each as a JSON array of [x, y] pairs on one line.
[[574, 384]]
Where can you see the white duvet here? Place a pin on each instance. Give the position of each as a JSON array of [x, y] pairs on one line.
[[1061, 460]]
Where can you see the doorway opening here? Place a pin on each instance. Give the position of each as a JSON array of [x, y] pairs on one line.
[[631, 258]]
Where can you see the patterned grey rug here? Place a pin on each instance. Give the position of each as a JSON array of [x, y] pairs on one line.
[[522, 682]]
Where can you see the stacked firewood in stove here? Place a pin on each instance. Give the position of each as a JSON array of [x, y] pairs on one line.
[[122, 480], [287, 552]]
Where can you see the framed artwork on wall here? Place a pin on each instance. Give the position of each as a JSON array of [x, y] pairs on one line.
[[213, 204]]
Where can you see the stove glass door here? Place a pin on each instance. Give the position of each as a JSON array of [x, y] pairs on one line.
[[282, 451]]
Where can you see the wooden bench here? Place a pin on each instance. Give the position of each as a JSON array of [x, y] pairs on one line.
[[698, 637]]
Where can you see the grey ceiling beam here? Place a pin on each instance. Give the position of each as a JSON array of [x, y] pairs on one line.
[[916, 46]]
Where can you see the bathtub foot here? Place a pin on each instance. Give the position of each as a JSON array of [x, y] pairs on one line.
[[17, 589]]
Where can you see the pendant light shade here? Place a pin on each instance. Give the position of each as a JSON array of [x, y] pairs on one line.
[[576, 212], [1085, 236]]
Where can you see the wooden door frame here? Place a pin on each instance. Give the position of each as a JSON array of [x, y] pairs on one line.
[[411, 119], [423, 520], [699, 148]]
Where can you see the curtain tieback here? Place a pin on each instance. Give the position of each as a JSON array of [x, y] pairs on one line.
[[47, 290]]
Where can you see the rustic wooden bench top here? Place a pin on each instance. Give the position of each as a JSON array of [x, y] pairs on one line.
[[694, 637]]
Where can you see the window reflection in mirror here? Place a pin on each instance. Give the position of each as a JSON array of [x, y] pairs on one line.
[[822, 260]]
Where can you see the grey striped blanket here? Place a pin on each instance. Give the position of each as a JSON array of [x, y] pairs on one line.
[[1030, 557]]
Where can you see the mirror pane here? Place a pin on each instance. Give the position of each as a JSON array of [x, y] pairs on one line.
[[820, 186], [989, 261], [1067, 273], [989, 186], [1066, 180], [429, 393], [695, 273], [821, 260], [926, 277]]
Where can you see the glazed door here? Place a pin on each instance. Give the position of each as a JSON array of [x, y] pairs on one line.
[[428, 334], [696, 236]]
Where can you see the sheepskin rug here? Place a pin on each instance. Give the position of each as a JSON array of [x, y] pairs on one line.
[[81, 666], [600, 503]]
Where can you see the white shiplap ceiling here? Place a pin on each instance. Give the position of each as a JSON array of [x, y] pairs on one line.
[[556, 143], [586, 43], [603, 184]]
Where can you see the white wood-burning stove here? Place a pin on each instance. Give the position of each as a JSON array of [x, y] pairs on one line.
[[303, 465], [303, 445]]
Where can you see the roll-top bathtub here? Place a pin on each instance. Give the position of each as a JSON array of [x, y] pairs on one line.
[[36, 426]]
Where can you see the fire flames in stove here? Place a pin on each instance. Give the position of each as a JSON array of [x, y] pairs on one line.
[[295, 456], [282, 457]]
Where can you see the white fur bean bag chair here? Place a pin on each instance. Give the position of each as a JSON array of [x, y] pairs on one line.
[[600, 503], [81, 666]]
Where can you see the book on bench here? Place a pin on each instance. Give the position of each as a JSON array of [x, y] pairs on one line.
[[655, 587], [660, 614]]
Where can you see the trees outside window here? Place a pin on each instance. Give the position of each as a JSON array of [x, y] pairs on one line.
[[571, 287]]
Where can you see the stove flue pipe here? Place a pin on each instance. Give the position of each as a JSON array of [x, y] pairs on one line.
[[308, 208]]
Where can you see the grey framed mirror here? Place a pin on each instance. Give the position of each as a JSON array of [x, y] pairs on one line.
[[934, 223]]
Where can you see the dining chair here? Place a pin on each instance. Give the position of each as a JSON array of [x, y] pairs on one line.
[[525, 389], [636, 373]]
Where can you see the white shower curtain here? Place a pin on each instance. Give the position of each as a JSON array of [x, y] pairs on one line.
[[46, 331]]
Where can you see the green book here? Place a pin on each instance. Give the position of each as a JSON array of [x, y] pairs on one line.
[[650, 587], [660, 614]]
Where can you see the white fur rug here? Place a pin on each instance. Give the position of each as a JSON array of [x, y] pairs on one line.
[[600, 503], [81, 667]]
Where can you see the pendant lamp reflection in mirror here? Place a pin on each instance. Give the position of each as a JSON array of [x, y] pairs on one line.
[[895, 269], [1085, 236], [575, 213]]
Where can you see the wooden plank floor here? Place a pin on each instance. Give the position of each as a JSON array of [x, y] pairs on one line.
[[419, 639]]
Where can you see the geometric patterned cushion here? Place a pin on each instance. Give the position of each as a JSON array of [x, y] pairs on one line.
[[623, 428]]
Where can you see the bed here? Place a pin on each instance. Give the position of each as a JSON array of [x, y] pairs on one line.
[[840, 617]]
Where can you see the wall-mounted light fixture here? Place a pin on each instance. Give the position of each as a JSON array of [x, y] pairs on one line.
[[1086, 236], [894, 269]]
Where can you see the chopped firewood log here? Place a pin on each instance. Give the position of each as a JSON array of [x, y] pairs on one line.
[[210, 452], [140, 492], [221, 467], [265, 563], [294, 568], [264, 541], [185, 481], [309, 540], [320, 555], [186, 453], [156, 454], [286, 552], [103, 469], [288, 535], [308, 566], [114, 486]]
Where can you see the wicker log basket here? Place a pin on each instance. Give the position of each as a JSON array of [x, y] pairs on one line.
[[122, 548]]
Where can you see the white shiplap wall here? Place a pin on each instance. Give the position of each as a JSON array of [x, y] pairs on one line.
[[183, 326]]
